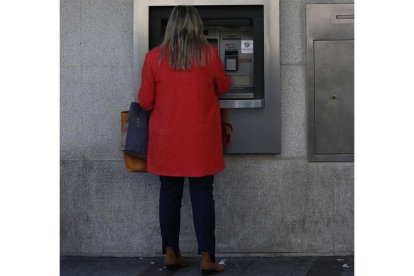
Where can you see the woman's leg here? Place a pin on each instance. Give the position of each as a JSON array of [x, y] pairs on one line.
[[201, 191], [171, 193]]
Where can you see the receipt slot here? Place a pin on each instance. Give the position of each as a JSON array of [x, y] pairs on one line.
[[246, 34]]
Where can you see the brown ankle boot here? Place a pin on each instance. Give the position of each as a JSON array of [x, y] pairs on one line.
[[207, 266], [171, 261]]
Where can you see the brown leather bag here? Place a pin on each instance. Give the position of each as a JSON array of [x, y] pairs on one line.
[[133, 163]]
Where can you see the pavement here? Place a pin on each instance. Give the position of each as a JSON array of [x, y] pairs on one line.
[[245, 266]]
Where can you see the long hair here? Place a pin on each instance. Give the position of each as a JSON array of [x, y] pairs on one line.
[[184, 39]]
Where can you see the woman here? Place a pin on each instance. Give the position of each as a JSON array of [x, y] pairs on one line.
[[181, 82]]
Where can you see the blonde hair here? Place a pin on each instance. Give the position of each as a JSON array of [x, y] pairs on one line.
[[184, 38]]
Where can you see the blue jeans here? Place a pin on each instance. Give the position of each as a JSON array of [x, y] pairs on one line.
[[202, 201]]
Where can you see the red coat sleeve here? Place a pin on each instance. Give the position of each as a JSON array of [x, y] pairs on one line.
[[146, 94], [222, 81]]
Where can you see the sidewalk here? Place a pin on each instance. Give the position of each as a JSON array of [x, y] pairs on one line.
[[148, 266]]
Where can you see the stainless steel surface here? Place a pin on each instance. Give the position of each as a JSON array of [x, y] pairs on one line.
[[234, 95], [255, 130], [330, 81], [242, 103], [334, 97]]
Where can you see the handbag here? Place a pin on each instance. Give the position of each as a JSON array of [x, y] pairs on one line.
[[136, 141], [226, 127], [134, 137]]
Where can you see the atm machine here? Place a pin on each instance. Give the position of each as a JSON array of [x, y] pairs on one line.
[[247, 36]]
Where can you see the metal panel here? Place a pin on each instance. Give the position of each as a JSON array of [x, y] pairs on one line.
[[242, 103], [256, 124], [334, 97], [330, 81]]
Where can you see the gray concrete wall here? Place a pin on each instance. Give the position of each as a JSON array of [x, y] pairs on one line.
[[279, 204]]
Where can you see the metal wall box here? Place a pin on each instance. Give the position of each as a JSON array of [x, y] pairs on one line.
[[255, 116], [330, 81]]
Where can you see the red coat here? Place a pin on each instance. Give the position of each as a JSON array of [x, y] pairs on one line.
[[185, 136]]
